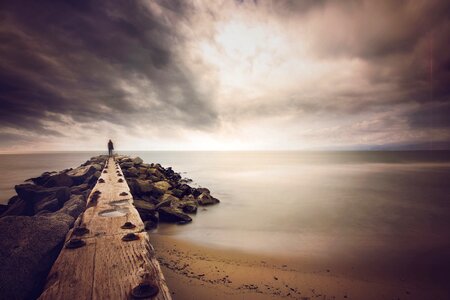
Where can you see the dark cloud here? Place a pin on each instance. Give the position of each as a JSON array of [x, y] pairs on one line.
[[131, 63], [70, 58], [432, 116]]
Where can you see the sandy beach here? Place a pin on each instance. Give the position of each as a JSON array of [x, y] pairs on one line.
[[197, 272]]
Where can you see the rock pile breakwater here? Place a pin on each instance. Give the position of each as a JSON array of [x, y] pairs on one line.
[[34, 224], [161, 194]]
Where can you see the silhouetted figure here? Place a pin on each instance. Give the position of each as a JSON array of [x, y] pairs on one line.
[[110, 147]]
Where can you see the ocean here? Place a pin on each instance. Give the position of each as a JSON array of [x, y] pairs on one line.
[[383, 210]]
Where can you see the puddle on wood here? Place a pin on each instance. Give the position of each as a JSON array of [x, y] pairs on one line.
[[119, 202], [111, 213]]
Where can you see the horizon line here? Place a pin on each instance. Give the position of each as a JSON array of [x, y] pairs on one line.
[[256, 150]]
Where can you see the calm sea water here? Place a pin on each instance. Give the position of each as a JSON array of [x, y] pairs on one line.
[[390, 209]]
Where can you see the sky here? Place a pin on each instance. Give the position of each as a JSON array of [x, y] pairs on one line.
[[224, 75]]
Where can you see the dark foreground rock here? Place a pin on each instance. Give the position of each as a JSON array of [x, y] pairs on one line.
[[61, 179], [34, 224], [28, 248]]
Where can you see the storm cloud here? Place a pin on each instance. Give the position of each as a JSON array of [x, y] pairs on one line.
[[224, 75]]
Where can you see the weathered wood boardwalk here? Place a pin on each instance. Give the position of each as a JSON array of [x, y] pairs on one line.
[[104, 256]]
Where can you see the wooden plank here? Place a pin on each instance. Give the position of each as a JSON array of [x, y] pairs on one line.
[[125, 267], [106, 267]]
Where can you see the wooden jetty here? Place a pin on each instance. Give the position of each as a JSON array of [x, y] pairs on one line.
[[107, 254]]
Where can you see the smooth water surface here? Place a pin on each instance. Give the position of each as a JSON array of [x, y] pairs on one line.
[[380, 207]]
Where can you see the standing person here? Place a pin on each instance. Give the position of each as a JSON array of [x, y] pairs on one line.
[[110, 147]]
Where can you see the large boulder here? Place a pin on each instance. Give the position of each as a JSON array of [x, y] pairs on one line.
[[156, 193], [167, 214], [79, 189], [74, 206], [153, 178], [126, 159], [147, 215], [49, 203], [80, 174], [98, 167], [178, 193], [155, 172], [206, 199], [150, 224], [28, 249], [143, 186], [126, 165], [162, 185], [130, 172], [92, 180], [33, 193], [189, 207], [198, 191], [164, 203], [18, 207], [40, 180], [137, 161], [3, 208], [61, 179], [143, 205]]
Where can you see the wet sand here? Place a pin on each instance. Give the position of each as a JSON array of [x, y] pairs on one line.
[[194, 271]]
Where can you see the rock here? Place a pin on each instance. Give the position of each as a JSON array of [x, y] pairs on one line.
[[142, 171], [126, 165], [167, 214], [178, 193], [98, 167], [40, 180], [3, 208], [61, 179], [156, 192], [18, 207], [190, 208], [80, 174], [74, 206], [147, 215], [197, 192], [92, 180], [27, 191], [137, 161], [187, 190], [49, 203], [131, 172], [33, 193], [28, 248], [155, 172], [168, 196], [126, 159], [164, 203], [149, 225], [86, 193], [206, 199], [162, 185], [144, 206], [168, 200], [153, 178], [79, 189], [144, 186], [150, 199], [13, 199], [185, 180]]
